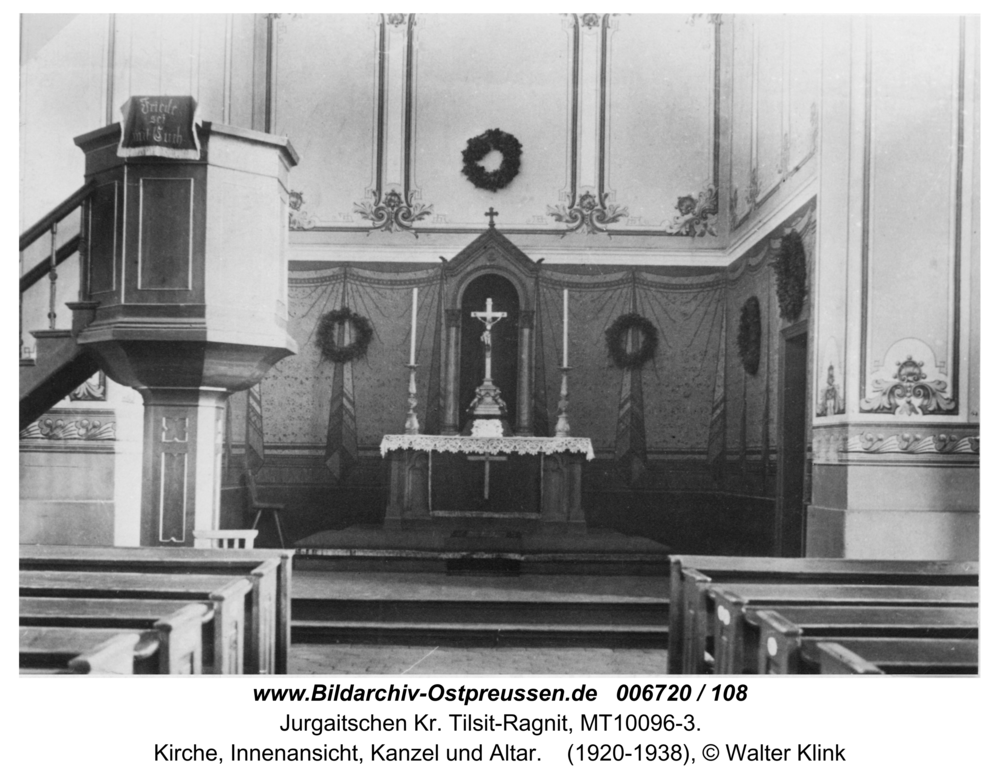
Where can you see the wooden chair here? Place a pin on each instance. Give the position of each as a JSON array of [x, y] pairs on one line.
[[224, 538], [259, 507]]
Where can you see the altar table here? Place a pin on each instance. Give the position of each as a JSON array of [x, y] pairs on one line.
[[414, 475]]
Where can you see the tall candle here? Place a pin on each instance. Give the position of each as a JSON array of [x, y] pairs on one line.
[[565, 328], [413, 330]]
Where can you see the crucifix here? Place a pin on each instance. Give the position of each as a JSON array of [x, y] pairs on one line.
[[487, 458]]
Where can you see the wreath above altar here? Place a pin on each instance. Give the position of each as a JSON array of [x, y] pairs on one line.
[[482, 145], [327, 340], [616, 337]]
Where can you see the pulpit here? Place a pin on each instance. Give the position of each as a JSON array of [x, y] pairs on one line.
[[429, 474]]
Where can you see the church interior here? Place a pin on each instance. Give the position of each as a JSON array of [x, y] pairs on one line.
[[509, 328]]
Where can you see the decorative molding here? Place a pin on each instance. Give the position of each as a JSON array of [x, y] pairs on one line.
[[590, 21], [696, 216], [69, 428], [298, 217], [393, 213], [909, 392], [94, 389], [590, 213], [944, 443]]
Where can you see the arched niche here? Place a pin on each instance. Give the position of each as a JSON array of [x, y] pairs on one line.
[[490, 267], [504, 296]]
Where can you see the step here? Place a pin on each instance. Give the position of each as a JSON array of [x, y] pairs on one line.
[[478, 634], [542, 563], [468, 612]]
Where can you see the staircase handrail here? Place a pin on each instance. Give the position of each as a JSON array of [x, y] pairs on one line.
[[60, 212], [41, 270]]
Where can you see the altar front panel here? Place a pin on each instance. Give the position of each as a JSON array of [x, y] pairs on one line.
[[461, 485]]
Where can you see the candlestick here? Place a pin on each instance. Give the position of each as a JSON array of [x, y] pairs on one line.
[[565, 327], [562, 424], [413, 330], [412, 426]]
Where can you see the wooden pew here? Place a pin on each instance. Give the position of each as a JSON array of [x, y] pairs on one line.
[[909, 656], [184, 560], [736, 644], [781, 633], [687, 600], [228, 596], [87, 651], [182, 644]]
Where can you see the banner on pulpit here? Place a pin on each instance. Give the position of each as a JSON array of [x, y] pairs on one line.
[[160, 126]]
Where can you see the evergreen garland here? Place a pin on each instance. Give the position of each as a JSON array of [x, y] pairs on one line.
[[327, 340], [748, 337], [790, 268], [482, 145], [616, 336]]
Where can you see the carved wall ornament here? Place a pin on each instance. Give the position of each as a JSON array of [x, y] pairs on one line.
[[480, 146], [326, 335], [590, 20], [298, 217], [790, 275], [395, 19], [909, 392], [60, 428], [591, 213], [748, 337], [946, 444], [831, 397], [393, 212], [94, 389], [696, 216]]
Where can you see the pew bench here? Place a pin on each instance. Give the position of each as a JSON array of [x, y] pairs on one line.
[[228, 597], [84, 651], [781, 633], [893, 656], [736, 642], [186, 561], [185, 635], [690, 577]]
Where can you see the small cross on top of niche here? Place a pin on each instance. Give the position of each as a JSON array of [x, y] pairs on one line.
[[491, 214]]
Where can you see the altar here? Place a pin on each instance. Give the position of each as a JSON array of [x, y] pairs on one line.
[[499, 478]]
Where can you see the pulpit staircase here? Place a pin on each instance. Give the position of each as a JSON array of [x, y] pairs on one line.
[[56, 365]]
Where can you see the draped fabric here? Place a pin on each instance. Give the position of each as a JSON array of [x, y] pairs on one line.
[[665, 406], [717, 422], [255, 429]]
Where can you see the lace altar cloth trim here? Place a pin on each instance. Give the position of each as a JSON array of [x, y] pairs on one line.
[[522, 446]]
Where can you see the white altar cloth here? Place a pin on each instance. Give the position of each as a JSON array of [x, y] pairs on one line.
[[522, 446]]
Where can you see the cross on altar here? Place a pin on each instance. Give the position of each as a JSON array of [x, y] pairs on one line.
[[489, 318], [491, 214], [486, 477]]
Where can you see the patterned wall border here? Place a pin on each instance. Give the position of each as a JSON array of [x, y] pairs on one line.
[[894, 445], [72, 426]]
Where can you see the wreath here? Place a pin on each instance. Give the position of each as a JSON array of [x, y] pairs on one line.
[[790, 268], [616, 339], [748, 338], [482, 145], [326, 335]]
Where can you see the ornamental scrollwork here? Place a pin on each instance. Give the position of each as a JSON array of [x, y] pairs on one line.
[[393, 213], [591, 213], [696, 216], [909, 392], [298, 217], [94, 389], [70, 428]]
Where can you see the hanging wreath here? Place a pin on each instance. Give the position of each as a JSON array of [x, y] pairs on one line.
[[748, 338], [616, 337], [790, 269], [326, 335], [482, 145]]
